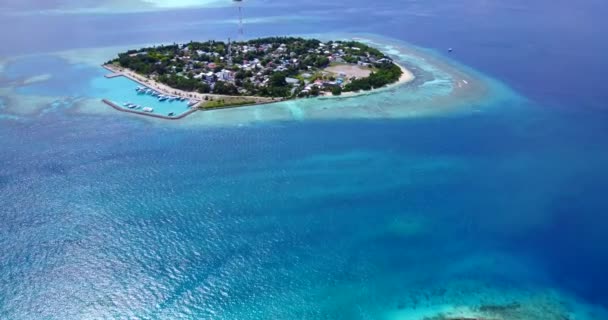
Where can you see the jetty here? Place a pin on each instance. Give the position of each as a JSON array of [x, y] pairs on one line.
[[149, 113]]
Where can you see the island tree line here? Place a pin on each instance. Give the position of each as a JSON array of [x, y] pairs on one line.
[[271, 67]]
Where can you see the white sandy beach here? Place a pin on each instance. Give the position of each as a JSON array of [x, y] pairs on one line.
[[163, 88], [406, 77], [452, 88]]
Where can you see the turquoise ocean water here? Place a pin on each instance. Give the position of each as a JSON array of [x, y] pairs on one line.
[[501, 203]]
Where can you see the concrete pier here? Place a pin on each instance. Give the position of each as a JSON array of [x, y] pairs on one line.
[[149, 114]]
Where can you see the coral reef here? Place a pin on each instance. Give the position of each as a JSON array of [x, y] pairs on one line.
[[541, 309]]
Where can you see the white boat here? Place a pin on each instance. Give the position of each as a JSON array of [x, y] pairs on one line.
[[147, 109], [162, 98]]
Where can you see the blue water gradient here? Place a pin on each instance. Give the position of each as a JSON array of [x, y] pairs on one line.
[[270, 221], [116, 217]]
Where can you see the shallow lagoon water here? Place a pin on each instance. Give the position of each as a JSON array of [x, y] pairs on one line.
[[121, 90], [440, 86], [497, 202]]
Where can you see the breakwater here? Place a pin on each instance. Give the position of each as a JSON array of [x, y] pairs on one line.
[[149, 114]]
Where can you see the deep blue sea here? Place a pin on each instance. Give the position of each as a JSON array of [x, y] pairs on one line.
[[107, 216]]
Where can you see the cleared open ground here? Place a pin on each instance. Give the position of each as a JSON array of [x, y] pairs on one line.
[[350, 71]]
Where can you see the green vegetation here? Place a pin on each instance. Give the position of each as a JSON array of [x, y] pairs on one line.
[[267, 67], [386, 73], [336, 91], [218, 104], [182, 83]]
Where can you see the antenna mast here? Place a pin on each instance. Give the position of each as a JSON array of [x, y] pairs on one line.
[[229, 52], [240, 4]]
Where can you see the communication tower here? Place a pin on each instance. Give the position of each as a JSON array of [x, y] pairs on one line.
[[239, 4]]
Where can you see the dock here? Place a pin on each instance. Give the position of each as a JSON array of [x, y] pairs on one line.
[[153, 115], [195, 98]]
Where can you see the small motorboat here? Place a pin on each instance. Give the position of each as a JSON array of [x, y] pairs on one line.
[[171, 114]]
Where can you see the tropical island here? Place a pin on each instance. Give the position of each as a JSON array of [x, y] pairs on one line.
[[218, 74]]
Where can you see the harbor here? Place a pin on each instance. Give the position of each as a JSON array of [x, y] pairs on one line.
[[130, 94], [129, 91], [147, 111], [153, 86]]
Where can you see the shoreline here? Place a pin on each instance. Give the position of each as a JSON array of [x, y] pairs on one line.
[[405, 78], [153, 115], [441, 86], [199, 98]]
